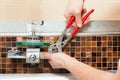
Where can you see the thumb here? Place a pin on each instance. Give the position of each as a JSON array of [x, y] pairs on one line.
[[78, 20], [45, 55]]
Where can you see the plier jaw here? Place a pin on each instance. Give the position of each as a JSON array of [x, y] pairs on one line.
[[57, 47], [54, 48]]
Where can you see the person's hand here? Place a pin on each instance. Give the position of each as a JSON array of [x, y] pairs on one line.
[[75, 8], [57, 60], [118, 72]]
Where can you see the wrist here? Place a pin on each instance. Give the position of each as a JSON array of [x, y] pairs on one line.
[[70, 63]]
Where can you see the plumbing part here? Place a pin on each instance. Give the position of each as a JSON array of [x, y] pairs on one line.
[[33, 43], [14, 53], [57, 47], [32, 40], [33, 55]]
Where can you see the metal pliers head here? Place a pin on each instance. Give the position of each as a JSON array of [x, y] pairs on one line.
[[57, 47]]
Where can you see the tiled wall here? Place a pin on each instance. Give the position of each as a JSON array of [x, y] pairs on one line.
[[101, 52]]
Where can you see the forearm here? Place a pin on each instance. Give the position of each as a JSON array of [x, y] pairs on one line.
[[84, 72], [117, 75]]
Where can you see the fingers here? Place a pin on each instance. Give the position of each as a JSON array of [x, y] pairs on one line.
[[77, 14], [68, 15], [84, 11], [46, 55], [54, 65]]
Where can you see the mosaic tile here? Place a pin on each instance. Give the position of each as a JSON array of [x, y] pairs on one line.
[[101, 52]]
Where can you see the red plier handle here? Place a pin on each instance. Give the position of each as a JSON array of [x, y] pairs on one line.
[[72, 19]]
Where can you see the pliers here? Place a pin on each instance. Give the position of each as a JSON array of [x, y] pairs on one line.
[[57, 47]]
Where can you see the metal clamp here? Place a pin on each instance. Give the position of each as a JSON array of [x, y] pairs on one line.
[[33, 55]]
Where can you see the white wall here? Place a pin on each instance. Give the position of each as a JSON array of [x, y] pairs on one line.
[[54, 9]]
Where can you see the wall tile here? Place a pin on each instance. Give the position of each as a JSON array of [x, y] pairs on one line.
[[101, 52]]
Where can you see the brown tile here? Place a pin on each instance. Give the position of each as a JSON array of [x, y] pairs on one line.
[[104, 43], [8, 39], [3, 44], [109, 59], [3, 60], [83, 54], [88, 49], [119, 53], [14, 38], [109, 49], [94, 49], [115, 54], [67, 49], [78, 49], [110, 38], [83, 60], [88, 38], [94, 65], [98, 54], [9, 66], [83, 49], [88, 43], [98, 59], [88, 55], [73, 44], [82, 43], [104, 38], [9, 71], [104, 68], [19, 70], [88, 59], [46, 70], [8, 60], [77, 38], [94, 38], [3, 66], [115, 38], [82, 38], [19, 66], [110, 54], [94, 44], [110, 43], [118, 38], [115, 59], [99, 64], [0, 65], [98, 38], [77, 44], [77, 56], [3, 38], [99, 49], [104, 54]]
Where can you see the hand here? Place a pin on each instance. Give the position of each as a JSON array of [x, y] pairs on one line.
[[57, 60], [75, 8]]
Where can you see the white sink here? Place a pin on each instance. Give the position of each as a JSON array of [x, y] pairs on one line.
[[36, 77]]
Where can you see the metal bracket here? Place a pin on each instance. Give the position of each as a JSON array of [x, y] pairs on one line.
[[33, 55]]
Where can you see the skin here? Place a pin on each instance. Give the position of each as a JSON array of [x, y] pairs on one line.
[[75, 8], [78, 69]]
